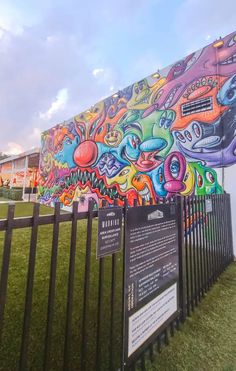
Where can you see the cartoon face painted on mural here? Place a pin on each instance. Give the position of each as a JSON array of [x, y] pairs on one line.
[[164, 135], [205, 180], [214, 144]]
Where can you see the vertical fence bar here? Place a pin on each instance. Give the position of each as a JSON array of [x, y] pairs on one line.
[[204, 242], [29, 290], [182, 257], [5, 264], [197, 249], [84, 330], [123, 366], [201, 245], [207, 243], [220, 232], [214, 237], [186, 235], [191, 252], [230, 230], [226, 230], [70, 289], [52, 286], [113, 279], [218, 221], [100, 307], [100, 312], [194, 252]]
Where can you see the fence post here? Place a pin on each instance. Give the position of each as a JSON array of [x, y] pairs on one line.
[[230, 229], [5, 263], [182, 261]]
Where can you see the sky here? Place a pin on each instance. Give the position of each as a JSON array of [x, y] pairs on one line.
[[59, 57]]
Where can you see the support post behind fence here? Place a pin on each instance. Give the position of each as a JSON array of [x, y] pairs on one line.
[[123, 366], [70, 287], [230, 230], [182, 259], [86, 287], [52, 289], [29, 290], [5, 264]]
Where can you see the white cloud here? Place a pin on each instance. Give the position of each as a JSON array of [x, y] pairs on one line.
[[13, 148], [10, 19], [36, 134], [58, 104], [98, 71]]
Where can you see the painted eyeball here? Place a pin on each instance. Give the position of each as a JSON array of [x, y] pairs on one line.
[[188, 135], [160, 176], [162, 122], [199, 180], [133, 143], [180, 137], [186, 177], [230, 94], [174, 167], [233, 81], [197, 130], [167, 124], [124, 172], [210, 177], [163, 119]]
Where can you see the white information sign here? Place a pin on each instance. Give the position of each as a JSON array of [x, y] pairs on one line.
[[149, 318]]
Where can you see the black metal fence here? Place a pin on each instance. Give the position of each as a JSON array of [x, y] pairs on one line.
[[82, 297]]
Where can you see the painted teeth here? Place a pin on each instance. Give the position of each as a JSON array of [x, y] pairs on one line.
[[123, 186], [85, 176], [229, 60], [145, 193]]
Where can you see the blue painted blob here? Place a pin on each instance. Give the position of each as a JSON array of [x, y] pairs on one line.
[[158, 180], [65, 155], [153, 144]]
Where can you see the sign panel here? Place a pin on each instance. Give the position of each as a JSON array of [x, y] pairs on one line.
[[109, 231], [208, 205], [151, 267], [146, 321]]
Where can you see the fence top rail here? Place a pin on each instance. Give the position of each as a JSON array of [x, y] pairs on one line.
[[27, 221]]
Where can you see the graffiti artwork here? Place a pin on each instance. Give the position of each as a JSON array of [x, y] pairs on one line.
[[164, 135]]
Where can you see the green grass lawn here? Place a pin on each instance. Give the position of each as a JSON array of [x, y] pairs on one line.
[[9, 353], [207, 340]]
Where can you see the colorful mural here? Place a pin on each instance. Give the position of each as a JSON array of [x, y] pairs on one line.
[[164, 135]]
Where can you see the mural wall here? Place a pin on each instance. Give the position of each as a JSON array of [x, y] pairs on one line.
[[167, 134]]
